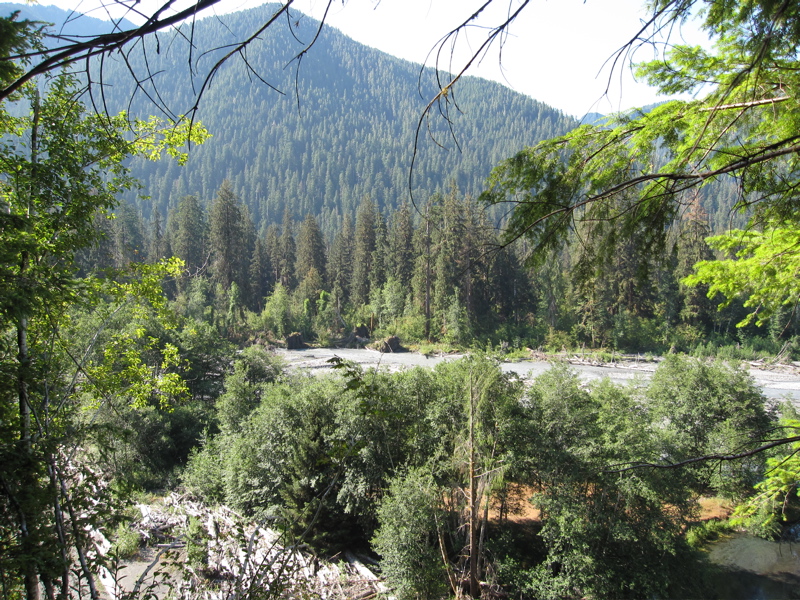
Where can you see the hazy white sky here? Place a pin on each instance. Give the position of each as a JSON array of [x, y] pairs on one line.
[[556, 51]]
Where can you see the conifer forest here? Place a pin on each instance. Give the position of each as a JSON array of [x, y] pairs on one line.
[[188, 200]]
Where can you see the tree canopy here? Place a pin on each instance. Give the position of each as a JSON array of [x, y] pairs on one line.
[[635, 172]]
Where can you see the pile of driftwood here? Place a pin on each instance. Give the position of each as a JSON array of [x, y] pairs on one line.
[[214, 553]]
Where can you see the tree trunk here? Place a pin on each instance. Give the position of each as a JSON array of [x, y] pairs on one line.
[[27, 474], [474, 585], [427, 276]]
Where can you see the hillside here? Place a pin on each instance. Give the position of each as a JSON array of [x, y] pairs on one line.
[[344, 132]]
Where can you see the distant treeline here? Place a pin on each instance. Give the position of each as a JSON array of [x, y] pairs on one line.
[[437, 272]]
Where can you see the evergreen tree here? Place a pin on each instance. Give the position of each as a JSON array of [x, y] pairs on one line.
[[273, 248], [158, 246], [99, 254], [380, 256], [228, 239], [129, 242], [261, 274], [340, 263], [696, 308], [449, 263], [187, 235], [400, 257], [310, 249], [248, 252], [613, 280], [287, 252], [422, 282], [364, 246], [551, 282]]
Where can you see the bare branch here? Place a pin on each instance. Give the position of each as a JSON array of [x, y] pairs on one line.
[[746, 104], [446, 90], [706, 458]]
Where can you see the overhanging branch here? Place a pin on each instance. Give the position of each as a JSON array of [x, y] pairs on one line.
[[706, 458]]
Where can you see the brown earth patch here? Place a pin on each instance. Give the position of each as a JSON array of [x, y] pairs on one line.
[[516, 506], [714, 508]]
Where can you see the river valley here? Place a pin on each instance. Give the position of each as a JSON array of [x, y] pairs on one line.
[[776, 383]]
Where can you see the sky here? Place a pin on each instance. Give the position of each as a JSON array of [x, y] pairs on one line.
[[557, 52]]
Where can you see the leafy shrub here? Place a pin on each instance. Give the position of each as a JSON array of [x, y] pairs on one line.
[[776, 502], [204, 473], [126, 542], [556, 341], [407, 537], [700, 408], [707, 531]]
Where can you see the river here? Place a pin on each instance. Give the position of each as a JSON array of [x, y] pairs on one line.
[[755, 569], [783, 382]]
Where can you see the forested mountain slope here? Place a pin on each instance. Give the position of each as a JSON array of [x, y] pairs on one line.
[[341, 129]]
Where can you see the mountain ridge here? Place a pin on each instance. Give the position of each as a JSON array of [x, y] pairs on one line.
[[345, 132]]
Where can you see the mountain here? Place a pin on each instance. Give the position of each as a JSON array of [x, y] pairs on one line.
[[341, 126], [592, 118], [63, 22]]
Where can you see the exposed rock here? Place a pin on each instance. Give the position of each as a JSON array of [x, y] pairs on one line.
[[239, 559], [391, 344], [294, 341]]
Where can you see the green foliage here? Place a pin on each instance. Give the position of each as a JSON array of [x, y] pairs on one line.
[[599, 520], [408, 536], [762, 269], [205, 471], [625, 180], [703, 408], [196, 544], [277, 314], [231, 243], [205, 357], [698, 536], [288, 459], [777, 498], [437, 446], [252, 371], [18, 37], [126, 542], [62, 168]]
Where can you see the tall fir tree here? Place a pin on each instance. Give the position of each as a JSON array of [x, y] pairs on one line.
[[187, 230], [260, 274], [228, 238], [272, 244], [99, 255], [449, 261], [340, 263], [363, 248], [422, 279], [310, 249], [158, 243], [287, 252], [696, 308], [380, 256], [400, 259], [129, 239]]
